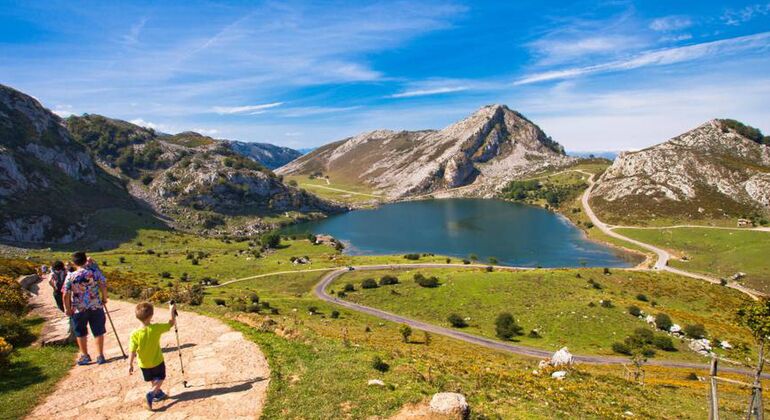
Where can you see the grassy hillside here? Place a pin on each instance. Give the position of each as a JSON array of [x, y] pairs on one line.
[[576, 318], [718, 252], [321, 362]]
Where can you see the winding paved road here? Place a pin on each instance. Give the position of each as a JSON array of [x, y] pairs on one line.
[[662, 255], [320, 291]]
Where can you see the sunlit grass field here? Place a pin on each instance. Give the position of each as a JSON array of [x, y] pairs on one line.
[[564, 308], [718, 252]]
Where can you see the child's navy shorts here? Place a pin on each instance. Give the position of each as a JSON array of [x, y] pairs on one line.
[[93, 318], [154, 373]]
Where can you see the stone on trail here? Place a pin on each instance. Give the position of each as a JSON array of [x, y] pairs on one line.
[[562, 358], [26, 282], [449, 403]]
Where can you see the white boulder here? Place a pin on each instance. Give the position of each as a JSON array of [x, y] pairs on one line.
[[650, 319], [725, 345], [676, 328], [562, 358], [702, 346], [375, 382], [449, 403], [559, 374]]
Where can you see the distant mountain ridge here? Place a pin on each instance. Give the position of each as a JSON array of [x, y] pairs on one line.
[[480, 153], [270, 155], [712, 171]]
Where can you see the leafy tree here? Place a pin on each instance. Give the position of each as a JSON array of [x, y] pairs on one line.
[[406, 332], [379, 364], [506, 326], [271, 240], [388, 280], [663, 342]]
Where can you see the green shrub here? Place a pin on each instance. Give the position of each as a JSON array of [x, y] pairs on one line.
[[621, 348], [506, 326], [492, 260], [220, 302], [606, 303], [457, 321], [14, 331], [663, 321], [388, 280], [412, 256], [634, 310], [165, 275], [369, 284], [429, 282], [271, 240], [349, 288], [379, 364], [695, 331], [12, 297], [335, 314], [692, 376], [641, 297], [643, 335], [312, 309], [663, 342], [254, 298], [5, 354], [406, 332], [534, 334]]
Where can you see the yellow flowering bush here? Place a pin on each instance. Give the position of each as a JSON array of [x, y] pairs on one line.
[[12, 297], [5, 353]]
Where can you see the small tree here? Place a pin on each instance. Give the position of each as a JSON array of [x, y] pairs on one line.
[[349, 288], [663, 322], [756, 317], [457, 321], [270, 240], [634, 310], [696, 331], [506, 326], [406, 332]]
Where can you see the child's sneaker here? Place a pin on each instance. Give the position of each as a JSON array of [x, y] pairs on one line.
[[100, 360], [160, 396], [84, 360], [148, 398]]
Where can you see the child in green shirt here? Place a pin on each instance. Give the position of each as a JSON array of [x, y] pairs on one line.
[[145, 342]]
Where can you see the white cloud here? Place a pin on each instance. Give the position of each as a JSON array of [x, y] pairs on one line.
[[63, 111], [206, 131], [666, 56], [146, 124], [568, 47], [426, 92], [316, 110], [250, 109], [734, 17], [670, 23], [132, 37]]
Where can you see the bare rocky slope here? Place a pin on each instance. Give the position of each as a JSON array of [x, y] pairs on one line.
[[270, 155], [720, 169], [49, 184], [480, 153]]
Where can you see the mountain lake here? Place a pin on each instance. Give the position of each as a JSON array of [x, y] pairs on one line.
[[515, 234]]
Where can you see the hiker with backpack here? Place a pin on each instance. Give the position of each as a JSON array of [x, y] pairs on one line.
[[56, 280]]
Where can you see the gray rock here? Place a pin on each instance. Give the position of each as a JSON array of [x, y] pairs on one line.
[[449, 403]]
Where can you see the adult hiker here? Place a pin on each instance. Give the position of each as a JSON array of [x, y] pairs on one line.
[[56, 280], [85, 293]]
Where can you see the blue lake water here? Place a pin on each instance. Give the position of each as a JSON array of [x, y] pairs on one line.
[[513, 233]]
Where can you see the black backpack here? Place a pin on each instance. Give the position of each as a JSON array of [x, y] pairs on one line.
[[59, 276]]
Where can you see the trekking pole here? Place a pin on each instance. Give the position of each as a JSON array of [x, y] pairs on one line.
[[178, 346], [117, 337]]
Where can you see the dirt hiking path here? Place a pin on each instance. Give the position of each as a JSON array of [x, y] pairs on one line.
[[227, 375]]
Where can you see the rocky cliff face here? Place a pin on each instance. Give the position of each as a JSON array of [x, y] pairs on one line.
[[711, 171], [480, 153], [267, 154], [48, 182]]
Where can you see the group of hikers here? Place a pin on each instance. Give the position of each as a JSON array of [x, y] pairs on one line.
[[80, 291]]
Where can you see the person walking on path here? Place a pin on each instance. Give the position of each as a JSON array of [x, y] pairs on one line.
[[56, 280], [85, 293], [145, 342]]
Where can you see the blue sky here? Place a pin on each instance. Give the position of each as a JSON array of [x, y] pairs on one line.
[[606, 75]]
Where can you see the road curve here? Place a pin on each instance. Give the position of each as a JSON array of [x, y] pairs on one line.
[[662, 255], [320, 292]]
